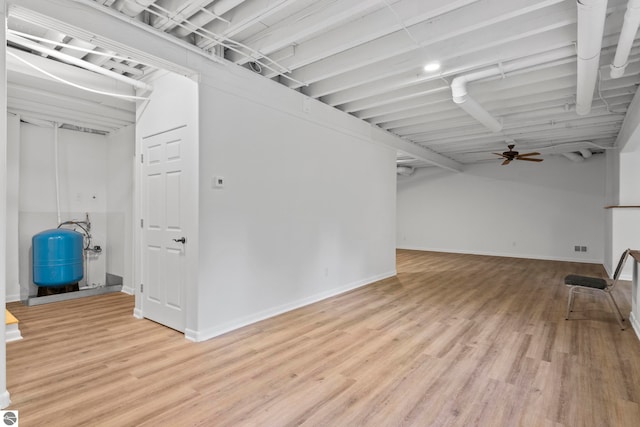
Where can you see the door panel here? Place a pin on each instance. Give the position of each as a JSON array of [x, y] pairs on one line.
[[164, 257]]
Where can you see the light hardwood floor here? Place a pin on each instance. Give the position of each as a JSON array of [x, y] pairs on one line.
[[453, 340]]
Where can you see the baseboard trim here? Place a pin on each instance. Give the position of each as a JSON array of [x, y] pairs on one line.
[[13, 334], [137, 313], [5, 399], [128, 290], [209, 333], [502, 254], [635, 324], [13, 298]]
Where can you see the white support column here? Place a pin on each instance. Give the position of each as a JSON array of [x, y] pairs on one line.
[[4, 394]]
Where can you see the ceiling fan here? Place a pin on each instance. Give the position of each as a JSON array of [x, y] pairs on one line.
[[510, 155]]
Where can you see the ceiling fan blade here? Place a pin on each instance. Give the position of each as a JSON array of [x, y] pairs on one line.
[[530, 160], [528, 154], [506, 162], [499, 154]]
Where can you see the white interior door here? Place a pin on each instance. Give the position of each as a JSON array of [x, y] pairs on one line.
[[164, 237]]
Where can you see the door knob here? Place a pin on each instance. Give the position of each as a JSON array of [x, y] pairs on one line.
[[180, 240]]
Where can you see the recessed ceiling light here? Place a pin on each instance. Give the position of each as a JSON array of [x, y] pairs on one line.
[[432, 66]]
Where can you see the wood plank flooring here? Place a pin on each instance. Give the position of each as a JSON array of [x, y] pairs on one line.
[[453, 340]]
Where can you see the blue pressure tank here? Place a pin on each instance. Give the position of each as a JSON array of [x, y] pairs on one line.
[[57, 257]]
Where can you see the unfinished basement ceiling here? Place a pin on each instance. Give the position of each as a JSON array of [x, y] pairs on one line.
[[515, 61]]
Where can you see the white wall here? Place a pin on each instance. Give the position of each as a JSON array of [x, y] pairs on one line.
[[82, 174], [308, 208], [523, 210], [119, 181], [13, 186]]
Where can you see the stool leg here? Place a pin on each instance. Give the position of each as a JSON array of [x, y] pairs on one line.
[[569, 302]]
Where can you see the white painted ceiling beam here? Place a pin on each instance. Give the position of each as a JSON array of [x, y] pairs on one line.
[[433, 86], [603, 126], [304, 24], [415, 150], [73, 103], [241, 18], [60, 117], [74, 74], [86, 20], [493, 93], [448, 118], [198, 15], [480, 25], [452, 63], [408, 118], [66, 112], [532, 124], [371, 27]]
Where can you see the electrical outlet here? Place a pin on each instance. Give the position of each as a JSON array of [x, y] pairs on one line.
[[576, 248], [583, 249], [217, 182]]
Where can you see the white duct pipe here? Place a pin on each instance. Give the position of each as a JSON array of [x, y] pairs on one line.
[[79, 62], [459, 84], [591, 17], [586, 153], [56, 171], [627, 35], [574, 157], [202, 18]]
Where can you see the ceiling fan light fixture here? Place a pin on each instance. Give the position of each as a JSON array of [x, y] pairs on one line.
[[432, 66]]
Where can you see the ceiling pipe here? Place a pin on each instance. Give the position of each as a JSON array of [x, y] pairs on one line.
[[470, 106], [586, 153], [591, 17], [625, 42], [79, 62], [574, 157]]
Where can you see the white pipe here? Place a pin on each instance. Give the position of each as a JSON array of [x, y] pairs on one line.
[[79, 62], [591, 17], [574, 157], [459, 84], [56, 171], [586, 153], [627, 35]]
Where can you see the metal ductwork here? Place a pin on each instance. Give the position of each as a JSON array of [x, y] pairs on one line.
[[625, 42], [591, 17]]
